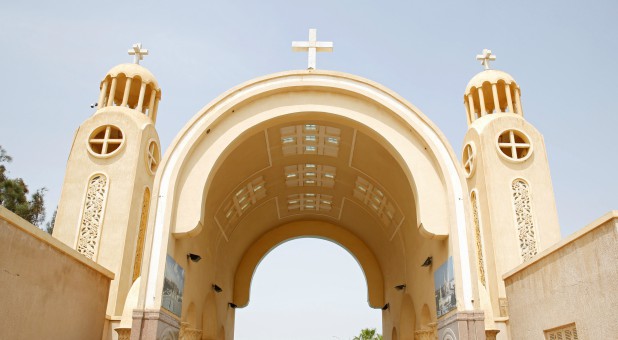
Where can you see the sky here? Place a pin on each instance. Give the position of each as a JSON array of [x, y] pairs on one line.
[[562, 54]]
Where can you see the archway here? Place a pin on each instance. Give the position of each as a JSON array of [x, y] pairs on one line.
[[267, 158], [307, 288]]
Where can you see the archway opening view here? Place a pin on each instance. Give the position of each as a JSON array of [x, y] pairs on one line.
[[309, 289]]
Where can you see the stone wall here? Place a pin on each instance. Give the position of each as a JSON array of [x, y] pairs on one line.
[[47, 290], [575, 281]]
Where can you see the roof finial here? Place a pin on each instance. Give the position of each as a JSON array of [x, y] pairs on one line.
[[485, 58], [312, 46], [138, 52]]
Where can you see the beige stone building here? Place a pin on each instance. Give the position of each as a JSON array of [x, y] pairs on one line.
[[448, 241]]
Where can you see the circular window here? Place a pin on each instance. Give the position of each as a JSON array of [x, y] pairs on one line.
[[105, 141], [469, 159], [153, 156], [514, 145]]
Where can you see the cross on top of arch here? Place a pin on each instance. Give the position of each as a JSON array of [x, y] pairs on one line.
[[138, 52], [485, 58]]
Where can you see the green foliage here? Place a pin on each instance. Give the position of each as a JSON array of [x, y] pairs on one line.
[[368, 334], [49, 226], [13, 195]]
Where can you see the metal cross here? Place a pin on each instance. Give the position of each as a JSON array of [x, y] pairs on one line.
[[312, 46], [138, 52], [485, 58]]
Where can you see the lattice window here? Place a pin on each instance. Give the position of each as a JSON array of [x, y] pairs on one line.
[[245, 197], [523, 216], [310, 139], [105, 141], [310, 201], [139, 249], [310, 175], [92, 216], [567, 332], [376, 200], [478, 237], [515, 145]]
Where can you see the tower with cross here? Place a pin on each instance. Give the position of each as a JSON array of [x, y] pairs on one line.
[[105, 197], [510, 191]]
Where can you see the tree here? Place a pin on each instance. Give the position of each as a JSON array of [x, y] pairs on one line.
[[13, 195], [368, 334]]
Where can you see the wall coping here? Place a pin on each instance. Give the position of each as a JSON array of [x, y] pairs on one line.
[[612, 215], [32, 230]]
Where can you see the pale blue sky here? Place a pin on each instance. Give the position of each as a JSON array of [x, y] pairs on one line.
[[562, 53]]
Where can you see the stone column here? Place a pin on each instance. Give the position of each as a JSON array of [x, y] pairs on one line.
[[188, 333], [467, 325], [123, 333], [491, 334], [154, 324]]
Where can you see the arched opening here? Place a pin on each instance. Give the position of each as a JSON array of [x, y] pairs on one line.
[[307, 288], [320, 155]]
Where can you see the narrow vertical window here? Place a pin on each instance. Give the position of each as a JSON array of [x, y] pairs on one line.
[[92, 216], [524, 219], [478, 237], [139, 249]]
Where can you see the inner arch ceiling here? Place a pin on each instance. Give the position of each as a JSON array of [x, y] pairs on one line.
[[302, 146]]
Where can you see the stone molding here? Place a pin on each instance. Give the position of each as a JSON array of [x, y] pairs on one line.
[[154, 324], [467, 325]]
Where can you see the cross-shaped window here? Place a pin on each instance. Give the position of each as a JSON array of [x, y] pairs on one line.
[[468, 159], [153, 156], [105, 140], [514, 144]]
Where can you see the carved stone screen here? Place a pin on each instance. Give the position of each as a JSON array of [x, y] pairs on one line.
[[92, 216], [524, 219], [139, 249], [478, 239]]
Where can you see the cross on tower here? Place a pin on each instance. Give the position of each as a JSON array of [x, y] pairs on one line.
[[485, 58], [138, 52], [312, 46]]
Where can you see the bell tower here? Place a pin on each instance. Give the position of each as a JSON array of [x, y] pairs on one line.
[[105, 197], [511, 194]]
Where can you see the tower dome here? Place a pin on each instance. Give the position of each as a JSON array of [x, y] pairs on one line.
[[491, 91], [132, 86]]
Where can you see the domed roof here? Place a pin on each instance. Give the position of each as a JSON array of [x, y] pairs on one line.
[[491, 76], [132, 70]]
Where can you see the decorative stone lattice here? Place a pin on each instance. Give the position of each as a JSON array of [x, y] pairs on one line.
[[92, 216], [139, 249], [479, 241], [523, 216], [567, 332]]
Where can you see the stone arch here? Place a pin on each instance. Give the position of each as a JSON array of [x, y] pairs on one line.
[[418, 146], [365, 257], [191, 317], [408, 319], [426, 318], [209, 317]]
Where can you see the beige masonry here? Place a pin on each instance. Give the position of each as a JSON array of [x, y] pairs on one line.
[[307, 153]]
